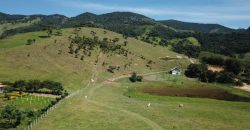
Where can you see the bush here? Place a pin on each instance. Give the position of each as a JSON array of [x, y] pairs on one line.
[[225, 77], [208, 76], [233, 65], [213, 60], [10, 117], [239, 83], [187, 48], [135, 78], [36, 86], [139, 78], [195, 70]]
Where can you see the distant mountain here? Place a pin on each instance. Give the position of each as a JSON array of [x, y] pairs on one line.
[[112, 18], [54, 20], [214, 37], [197, 27], [83, 18], [248, 30], [121, 22], [9, 18]]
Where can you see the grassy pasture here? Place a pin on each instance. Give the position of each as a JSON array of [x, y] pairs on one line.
[[111, 105], [30, 102], [26, 101], [48, 58]]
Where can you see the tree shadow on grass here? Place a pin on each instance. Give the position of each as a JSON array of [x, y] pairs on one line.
[[44, 36]]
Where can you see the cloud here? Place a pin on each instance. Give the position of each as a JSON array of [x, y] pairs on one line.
[[230, 12]]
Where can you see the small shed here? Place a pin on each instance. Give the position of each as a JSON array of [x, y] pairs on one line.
[[175, 71]]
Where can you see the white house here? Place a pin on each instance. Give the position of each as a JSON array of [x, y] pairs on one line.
[[175, 71]]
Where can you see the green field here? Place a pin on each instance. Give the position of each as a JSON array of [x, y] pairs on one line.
[[111, 105], [30, 102]]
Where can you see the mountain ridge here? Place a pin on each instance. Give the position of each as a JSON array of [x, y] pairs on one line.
[[197, 27], [128, 18]]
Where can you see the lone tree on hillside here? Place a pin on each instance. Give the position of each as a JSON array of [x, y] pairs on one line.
[[134, 78]]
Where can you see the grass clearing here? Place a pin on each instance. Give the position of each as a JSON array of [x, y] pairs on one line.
[[30, 102]]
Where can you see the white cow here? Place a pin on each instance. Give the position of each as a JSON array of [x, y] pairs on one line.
[[181, 105], [149, 104]]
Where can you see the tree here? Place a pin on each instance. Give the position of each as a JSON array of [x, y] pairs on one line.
[[133, 77], [125, 43], [33, 85], [10, 117], [187, 48], [49, 32], [225, 77], [208, 76], [29, 42], [195, 70], [20, 85], [139, 78], [233, 65], [115, 40]]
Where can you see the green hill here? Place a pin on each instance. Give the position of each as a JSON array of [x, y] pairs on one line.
[[197, 27], [42, 58], [113, 102]]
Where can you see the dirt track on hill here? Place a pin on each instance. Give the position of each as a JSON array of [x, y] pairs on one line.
[[90, 93], [91, 87], [245, 87]]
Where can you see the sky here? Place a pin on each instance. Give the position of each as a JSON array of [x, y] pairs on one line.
[[230, 13]]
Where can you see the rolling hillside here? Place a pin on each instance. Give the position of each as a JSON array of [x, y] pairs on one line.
[[111, 101], [42, 58], [197, 27]]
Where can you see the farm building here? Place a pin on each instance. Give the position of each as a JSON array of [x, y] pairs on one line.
[[175, 71]]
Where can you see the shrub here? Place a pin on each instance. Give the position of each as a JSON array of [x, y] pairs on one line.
[[135, 78], [10, 117], [195, 70], [225, 77], [239, 83], [233, 65]]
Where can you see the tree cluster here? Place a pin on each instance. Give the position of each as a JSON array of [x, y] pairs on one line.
[[10, 117], [201, 72], [187, 48], [37, 86], [87, 45]]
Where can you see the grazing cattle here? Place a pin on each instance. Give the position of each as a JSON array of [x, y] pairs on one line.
[[92, 80], [181, 105], [86, 97], [149, 104]]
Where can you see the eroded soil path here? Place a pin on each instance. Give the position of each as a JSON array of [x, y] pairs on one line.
[[245, 87]]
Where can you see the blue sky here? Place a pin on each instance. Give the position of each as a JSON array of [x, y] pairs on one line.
[[231, 13]]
